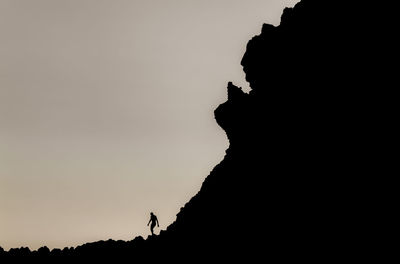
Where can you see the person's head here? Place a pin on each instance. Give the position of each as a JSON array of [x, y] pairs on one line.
[[151, 213]]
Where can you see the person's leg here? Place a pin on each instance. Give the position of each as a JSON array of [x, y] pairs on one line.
[[152, 228]]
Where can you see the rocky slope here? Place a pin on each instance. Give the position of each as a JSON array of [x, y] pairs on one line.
[[307, 144]]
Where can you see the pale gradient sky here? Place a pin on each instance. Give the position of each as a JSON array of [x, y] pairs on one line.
[[106, 110]]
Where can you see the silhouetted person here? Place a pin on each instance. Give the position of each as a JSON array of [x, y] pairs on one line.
[[153, 220]]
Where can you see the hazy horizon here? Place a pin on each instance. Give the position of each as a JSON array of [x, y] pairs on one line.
[[106, 111]]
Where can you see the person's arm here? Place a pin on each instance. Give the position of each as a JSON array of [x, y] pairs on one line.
[[157, 222], [149, 222]]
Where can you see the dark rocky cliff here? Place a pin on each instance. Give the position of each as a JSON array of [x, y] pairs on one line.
[[307, 145]]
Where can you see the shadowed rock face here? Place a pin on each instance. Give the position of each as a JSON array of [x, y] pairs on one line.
[[307, 144]]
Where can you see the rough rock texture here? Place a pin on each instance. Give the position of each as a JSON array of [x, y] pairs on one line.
[[299, 181]]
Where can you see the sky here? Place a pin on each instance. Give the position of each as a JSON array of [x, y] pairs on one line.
[[106, 111]]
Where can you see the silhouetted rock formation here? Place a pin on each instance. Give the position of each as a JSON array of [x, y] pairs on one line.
[[306, 145]]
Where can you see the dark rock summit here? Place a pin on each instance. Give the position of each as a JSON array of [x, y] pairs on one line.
[[308, 143]]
